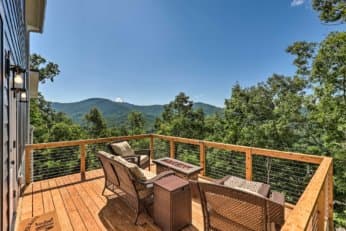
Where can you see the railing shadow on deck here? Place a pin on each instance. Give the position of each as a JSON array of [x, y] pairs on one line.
[[61, 186]]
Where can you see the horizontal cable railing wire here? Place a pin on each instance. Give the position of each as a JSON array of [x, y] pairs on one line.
[[161, 148], [188, 153], [140, 144], [54, 162], [220, 163], [91, 161], [286, 176]]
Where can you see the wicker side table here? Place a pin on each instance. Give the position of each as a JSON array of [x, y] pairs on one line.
[[172, 203]]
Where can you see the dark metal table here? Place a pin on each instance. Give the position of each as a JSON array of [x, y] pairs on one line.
[[172, 203]]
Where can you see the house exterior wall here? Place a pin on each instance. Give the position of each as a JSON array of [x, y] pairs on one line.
[[13, 116]]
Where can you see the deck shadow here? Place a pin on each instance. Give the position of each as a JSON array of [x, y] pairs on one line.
[[117, 215]]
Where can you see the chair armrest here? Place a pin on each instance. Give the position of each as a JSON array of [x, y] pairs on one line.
[[277, 198], [143, 152], [221, 180], [157, 177], [133, 159], [276, 208]]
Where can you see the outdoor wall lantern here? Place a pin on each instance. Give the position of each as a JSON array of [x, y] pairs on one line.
[[23, 97], [18, 79]]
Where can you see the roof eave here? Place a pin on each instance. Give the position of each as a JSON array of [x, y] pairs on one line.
[[35, 14]]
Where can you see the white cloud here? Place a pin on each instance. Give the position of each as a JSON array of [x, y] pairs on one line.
[[119, 100], [297, 2]]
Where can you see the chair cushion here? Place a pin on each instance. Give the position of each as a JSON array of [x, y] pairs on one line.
[[148, 175], [133, 168], [122, 148], [143, 159], [137, 172], [244, 185], [106, 154]]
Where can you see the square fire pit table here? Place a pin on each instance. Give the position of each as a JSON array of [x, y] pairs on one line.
[[181, 169]]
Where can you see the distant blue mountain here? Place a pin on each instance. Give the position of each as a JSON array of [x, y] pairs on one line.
[[116, 113]]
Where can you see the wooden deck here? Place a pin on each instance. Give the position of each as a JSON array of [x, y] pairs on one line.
[[80, 205]]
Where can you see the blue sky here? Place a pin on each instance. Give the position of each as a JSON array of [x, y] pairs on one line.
[[147, 51]]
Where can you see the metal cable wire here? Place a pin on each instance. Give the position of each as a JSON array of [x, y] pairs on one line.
[[220, 163], [188, 153], [139, 144], [53, 162], [91, 161], [161, 148], [286, 176]]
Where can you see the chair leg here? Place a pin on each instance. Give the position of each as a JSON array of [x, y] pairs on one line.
[[137, 215]]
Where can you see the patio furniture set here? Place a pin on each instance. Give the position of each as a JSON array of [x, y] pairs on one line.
[[230, 203]]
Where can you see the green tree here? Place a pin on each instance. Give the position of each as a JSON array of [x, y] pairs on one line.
[[47, 70], [51, 126], [95, 124], [331, 10], [180, 119], [267, 115], [135, 121], [65, 131], [326, 107]]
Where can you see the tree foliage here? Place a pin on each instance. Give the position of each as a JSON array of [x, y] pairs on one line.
[[47, 69], [51, 126], [330, 10], [95, 124], [266, 115], [179, 119], [135, 123]]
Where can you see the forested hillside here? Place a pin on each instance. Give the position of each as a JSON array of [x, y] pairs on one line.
[[116, 113]]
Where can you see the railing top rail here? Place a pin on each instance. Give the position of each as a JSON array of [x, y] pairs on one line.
[[88, 141], [231, 147], [302, 212], [255, 151]]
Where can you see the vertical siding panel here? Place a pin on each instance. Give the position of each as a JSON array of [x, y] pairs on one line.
[[13, 39]]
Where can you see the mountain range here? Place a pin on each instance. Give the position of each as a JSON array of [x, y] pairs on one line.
[[115, 113]]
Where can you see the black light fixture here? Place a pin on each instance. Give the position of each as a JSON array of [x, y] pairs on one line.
[[23, 97], [18, 79]]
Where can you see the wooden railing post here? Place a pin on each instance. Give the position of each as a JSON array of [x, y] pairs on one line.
[[151, 147], [202, 158], [330, 186], [28, 164], [248, 164], [82, 161], [172, 149]]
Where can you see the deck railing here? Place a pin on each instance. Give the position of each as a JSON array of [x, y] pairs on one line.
[[306, 180]]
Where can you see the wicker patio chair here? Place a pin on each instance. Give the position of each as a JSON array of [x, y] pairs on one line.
[[135, 183], [226, 208], [276, 202], [123, 149]]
